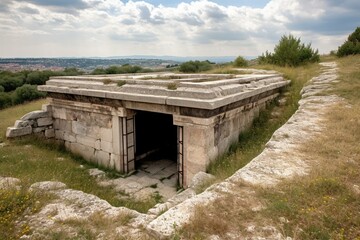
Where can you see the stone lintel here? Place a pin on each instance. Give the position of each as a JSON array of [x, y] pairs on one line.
[[91, 107]]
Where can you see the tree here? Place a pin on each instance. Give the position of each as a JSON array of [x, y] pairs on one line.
[[195, 66], [290, 52], [27, 92], [351, 46], [240, 62], [10, 83]]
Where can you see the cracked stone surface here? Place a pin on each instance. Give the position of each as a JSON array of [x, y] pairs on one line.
[[152, 177]]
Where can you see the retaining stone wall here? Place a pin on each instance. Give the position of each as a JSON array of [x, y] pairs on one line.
[[37, 122]]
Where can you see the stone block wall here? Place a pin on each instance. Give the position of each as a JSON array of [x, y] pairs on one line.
[[206, 139], [87, 130], [36, 122]]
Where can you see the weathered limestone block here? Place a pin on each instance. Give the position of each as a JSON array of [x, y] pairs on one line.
[[59, 134], [18, 132], [106, 134], [101, 120], [49, 133], [98, 144], [59, 113], [69, 137], [85, 129], [39, 129], [106, 146], [79, 128], [35, 115], [85, 140], [117, 160], [64, 125], [21, 124], [44, 122], [9, 183], [103, 158], [47, 186], [112, 162], [86, 152], [46, 108], [200, 178]]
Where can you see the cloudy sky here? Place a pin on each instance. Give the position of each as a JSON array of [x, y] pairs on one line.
[[84, 28]]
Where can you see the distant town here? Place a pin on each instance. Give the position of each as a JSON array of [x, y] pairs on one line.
[[89, 64], [84, 64]]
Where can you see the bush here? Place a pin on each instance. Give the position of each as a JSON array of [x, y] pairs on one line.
[[2, 89], [98, 71], [10, 83], [240, 62], [5, 100], [36, 78], [27, 92], [118, 70], [195, 66], [290, 52], [351, 46]]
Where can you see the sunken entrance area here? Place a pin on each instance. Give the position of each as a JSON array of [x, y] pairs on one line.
[[155, 136]]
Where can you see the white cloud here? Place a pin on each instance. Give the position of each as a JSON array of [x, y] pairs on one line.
[[196, 28]]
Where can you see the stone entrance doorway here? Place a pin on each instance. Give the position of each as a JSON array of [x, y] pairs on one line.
[[156, 140]]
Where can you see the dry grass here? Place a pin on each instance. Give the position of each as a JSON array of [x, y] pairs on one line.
[[96, 225], [323, 205]]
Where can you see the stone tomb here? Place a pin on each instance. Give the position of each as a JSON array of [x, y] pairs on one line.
[[117, 120]]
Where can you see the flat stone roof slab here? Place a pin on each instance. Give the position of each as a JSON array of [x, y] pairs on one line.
[[202, 91]]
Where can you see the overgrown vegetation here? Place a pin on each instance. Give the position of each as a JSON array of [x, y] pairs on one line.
[[351, 46], [291, 52], [195, 66]]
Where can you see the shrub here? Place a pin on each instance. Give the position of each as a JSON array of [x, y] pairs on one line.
[[98, 71], [118, 70], [36, 78], [240, 62], [352, 45], [195, 66], [290, 52], [2, 89], [5, 100], [10, 83], [172, 86], [26, 93]]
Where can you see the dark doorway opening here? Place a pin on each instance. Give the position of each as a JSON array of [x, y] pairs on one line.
[[156, 136]]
